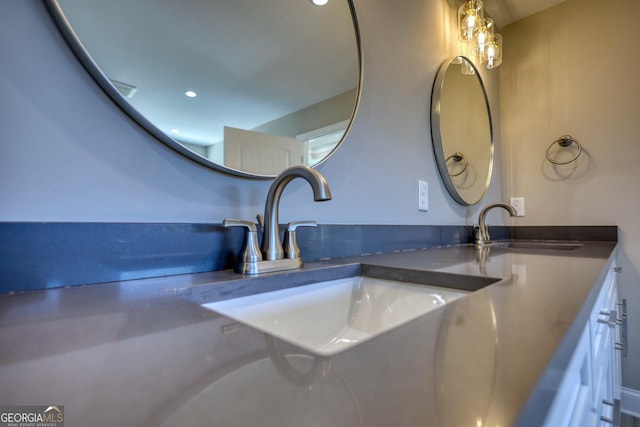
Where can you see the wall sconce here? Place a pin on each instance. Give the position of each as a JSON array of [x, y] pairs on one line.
[[476, 32]]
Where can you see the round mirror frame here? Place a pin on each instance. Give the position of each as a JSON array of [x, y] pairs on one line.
[[103, 81], [436, 131]]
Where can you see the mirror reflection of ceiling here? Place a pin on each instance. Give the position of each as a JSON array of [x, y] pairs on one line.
[[250, 64]]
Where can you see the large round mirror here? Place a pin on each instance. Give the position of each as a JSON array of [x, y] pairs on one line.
[[461, 130], [248, 87]]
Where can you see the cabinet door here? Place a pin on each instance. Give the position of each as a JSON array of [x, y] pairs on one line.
[[618, 341], [590, 390], [605, 358], [573, 404]]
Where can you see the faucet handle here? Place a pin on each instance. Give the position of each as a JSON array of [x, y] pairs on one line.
[[291, 249], [250, 226], [250, 251], [477, 233]]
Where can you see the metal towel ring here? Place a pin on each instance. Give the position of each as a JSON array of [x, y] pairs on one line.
[[458, 157], [564, 141]]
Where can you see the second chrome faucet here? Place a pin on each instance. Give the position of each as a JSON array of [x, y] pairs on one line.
[[273, 256], [482, 232]]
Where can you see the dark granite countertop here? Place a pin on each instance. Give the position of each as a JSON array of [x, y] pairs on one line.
[[144, 353]]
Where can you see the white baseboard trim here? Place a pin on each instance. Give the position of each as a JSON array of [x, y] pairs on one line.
[[630, 404]]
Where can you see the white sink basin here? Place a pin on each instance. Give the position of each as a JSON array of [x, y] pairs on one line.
[[328, 317]]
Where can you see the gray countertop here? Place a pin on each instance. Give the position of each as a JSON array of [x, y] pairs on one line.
[[141, 352]]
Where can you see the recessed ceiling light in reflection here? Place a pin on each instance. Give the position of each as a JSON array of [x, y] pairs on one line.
[[176, 131], [191, 94], [319, 2]]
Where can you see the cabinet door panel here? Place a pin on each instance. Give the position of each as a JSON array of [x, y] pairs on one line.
[[591, 385]]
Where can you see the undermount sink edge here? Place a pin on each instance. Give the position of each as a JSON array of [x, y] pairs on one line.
[[537, 245], [327, 316], [241, 286], [426, 277]]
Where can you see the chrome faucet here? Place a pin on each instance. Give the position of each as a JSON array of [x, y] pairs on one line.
[[271, 246], [482, 233], [272, 256]]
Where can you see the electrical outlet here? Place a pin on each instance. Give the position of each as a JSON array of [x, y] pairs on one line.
[[423, 196], [518, 205]]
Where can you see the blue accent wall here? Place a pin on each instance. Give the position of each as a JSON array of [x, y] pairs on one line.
[[50, 255]]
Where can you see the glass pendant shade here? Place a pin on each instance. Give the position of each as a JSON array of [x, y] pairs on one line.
[[492, 54], [466, 68], [470, 16], [484, 35], [477, 34]]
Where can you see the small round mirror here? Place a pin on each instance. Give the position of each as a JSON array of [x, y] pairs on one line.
[[461, 130]]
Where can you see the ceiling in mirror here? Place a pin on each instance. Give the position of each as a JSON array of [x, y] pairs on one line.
[[462, 131], [248, 87]]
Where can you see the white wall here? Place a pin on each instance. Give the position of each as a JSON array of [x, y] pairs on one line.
[[68, 154], [573, 70]]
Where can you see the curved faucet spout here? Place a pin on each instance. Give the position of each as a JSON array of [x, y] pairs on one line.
[[483, 230], [271, 245]]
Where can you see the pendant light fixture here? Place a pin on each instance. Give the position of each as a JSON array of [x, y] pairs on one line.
[[476, 32]]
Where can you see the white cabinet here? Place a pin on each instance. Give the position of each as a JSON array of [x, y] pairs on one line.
[[589, 394]]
